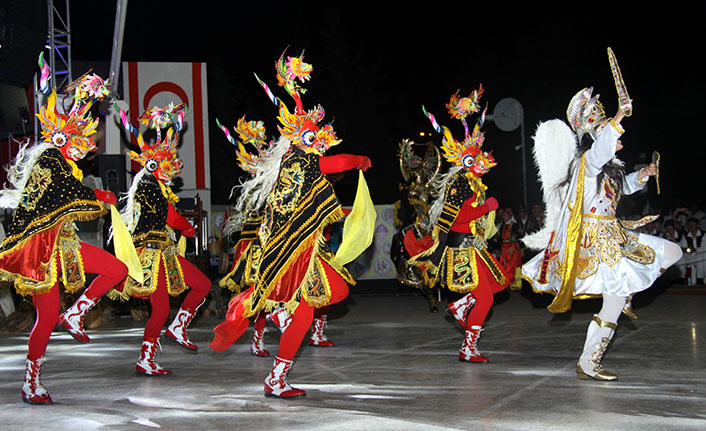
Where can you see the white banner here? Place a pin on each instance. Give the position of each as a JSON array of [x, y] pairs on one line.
[[375, 262]]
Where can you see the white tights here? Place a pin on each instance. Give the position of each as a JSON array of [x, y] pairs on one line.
[[613, 305], [672, 253]]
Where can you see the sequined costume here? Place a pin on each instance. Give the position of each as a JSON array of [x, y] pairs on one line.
[[586, 250], [608, 258], [456, 254], [42, 227], [296, 273], [150, 214], [41, 248], [412, 210], [246, 258]]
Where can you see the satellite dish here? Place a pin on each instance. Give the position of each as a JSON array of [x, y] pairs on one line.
[[508, 114]]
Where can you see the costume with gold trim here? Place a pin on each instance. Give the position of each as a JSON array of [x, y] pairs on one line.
[[42, 227], [248, 251], [246, 259], [296, 271], [590, 251], [456, 256], [149, 204], [412, 210], [298, 209], [154, 240]]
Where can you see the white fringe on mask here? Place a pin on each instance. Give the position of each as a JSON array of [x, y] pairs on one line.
[[255, 190], [127, 213], [439, 184], [18, 173]]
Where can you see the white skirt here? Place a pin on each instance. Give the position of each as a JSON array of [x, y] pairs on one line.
[[624, 278]]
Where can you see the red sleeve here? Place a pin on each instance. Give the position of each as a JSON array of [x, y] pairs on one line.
[[340, 163], [176, 220], [105, 196], [467, 214]]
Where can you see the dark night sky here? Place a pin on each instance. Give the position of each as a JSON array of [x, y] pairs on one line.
[[375, 67]]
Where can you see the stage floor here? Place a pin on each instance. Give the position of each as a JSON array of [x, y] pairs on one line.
[[394, 367]]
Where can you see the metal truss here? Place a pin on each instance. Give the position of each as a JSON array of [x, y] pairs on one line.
[[59, 44]]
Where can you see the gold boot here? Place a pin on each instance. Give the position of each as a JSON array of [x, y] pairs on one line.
[[627, 308]]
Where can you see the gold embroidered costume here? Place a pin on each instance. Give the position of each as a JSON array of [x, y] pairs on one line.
[[298, 209], [153, 241], [42, 227]]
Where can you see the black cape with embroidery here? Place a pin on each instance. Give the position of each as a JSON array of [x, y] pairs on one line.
[[51, 196], [301, 204]]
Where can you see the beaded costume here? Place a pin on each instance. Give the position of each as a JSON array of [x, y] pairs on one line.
[[586, 250], [42, 247], [296, 272], [152, 219], [457, 256]]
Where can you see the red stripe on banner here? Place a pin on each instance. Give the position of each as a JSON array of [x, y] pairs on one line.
[[134, 92], [198, 125], [164, 87]]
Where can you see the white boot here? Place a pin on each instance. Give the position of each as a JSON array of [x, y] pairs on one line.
[[598, 337], [177, 329], [276, 385], [258, 345], [459, 309], [318, 338], [280, 318], [71, 320], [33, 392], [147, 366]]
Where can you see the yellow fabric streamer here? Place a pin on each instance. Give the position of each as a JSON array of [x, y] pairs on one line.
[[181, 246], [124, 248], [491, 229], [572, 249], [359, 227]]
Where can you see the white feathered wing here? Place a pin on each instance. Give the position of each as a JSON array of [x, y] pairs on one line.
[[554, 149]]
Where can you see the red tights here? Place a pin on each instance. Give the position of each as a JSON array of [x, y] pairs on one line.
[[304, 315], [199, 286], [110, 272], [487, 287], [260, 321], [323, 311]]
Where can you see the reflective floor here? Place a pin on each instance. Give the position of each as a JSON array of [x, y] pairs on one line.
[[394, 367]]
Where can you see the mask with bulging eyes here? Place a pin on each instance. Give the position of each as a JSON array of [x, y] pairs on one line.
[[165, 169], [477, 162]]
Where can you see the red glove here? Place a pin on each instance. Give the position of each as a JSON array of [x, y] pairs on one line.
[[343, 162], [492, 203], [189, 232], [105, 196], [179, 222], [364, 163]]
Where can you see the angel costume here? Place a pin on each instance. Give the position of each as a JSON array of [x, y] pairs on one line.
[[587, 252], [591, 248]]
